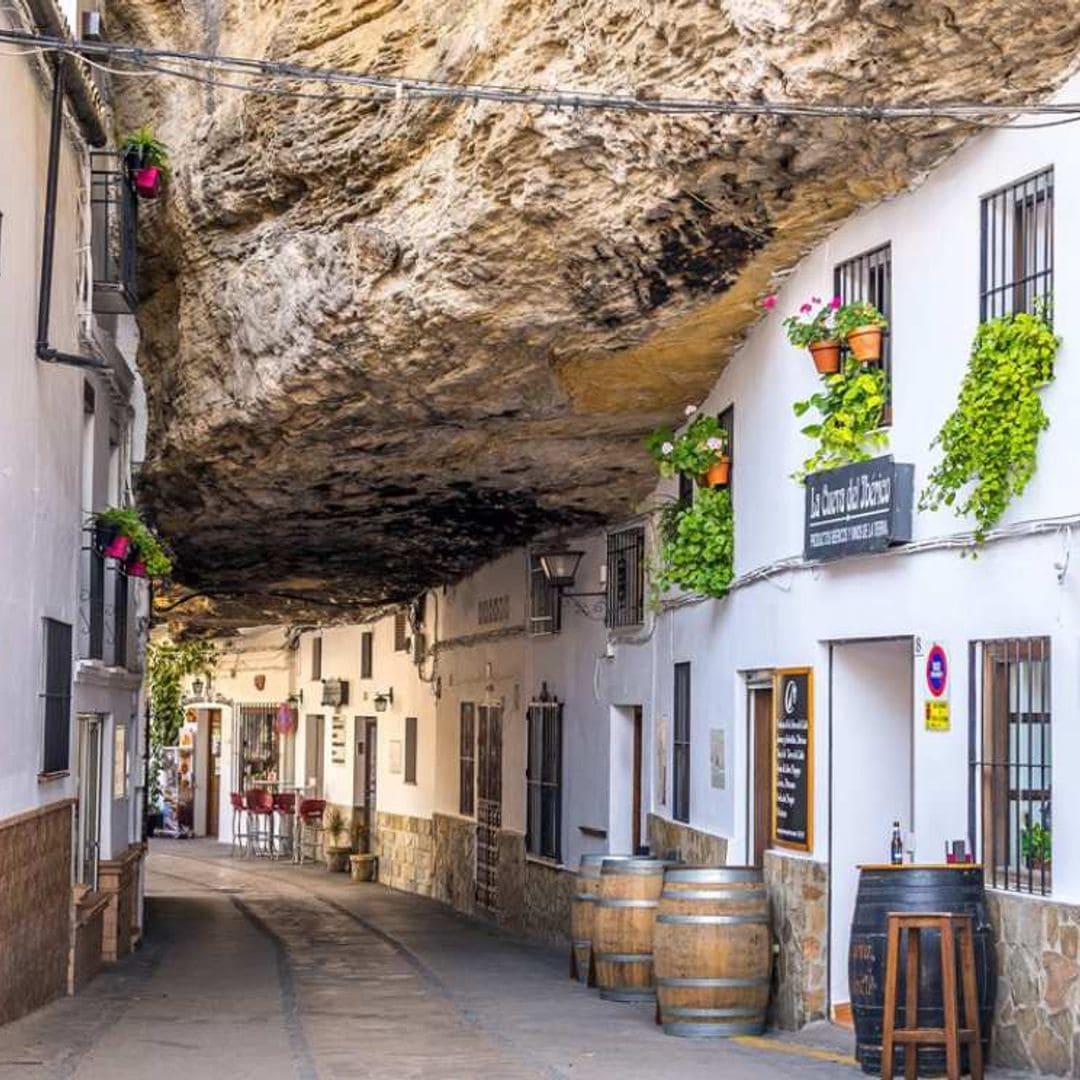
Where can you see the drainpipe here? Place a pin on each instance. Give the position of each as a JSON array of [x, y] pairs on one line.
[[43, 349], [146, 718]]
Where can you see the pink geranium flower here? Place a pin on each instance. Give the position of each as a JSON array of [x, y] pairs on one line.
[[836, 303], [769, 302], [806, 309]]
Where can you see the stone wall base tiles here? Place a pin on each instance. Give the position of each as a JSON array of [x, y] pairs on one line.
[[673, 840], [548, 892], [87, 939], [511, 880], [405, 847], [35, 909], [799, 905], [118, 879], [454, 877], [1037, 1011]]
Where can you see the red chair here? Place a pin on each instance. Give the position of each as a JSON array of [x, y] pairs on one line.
[[311, 828], [285, 811], [239, 825], [259, 804]]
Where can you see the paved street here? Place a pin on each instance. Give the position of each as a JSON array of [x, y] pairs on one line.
[[266, 971]]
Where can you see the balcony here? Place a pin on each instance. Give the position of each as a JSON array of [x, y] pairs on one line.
[[114, 215]]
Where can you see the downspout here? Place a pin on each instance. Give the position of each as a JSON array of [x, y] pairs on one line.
[[146, 722], [43, 349]]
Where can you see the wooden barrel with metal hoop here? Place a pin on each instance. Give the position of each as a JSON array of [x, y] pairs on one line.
[[623, 917], [713, 952], [582, 907]]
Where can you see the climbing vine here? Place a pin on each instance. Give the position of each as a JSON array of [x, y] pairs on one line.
[[697, 544], [990, 441], [851, 406]]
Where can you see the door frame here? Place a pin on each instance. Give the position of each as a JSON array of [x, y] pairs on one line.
[[371, 779], [758, 683], [88, 722]]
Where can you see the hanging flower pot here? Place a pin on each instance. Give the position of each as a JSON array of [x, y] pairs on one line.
[[147, 182], [104, 535], [865, 343], [119, 547], [135, 567], [718, 475], [826, 356]]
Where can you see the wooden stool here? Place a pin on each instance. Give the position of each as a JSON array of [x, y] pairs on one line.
[[951, 1035]]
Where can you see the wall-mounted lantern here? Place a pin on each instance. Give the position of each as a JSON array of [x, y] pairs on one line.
[[560, 567], [384, 699]]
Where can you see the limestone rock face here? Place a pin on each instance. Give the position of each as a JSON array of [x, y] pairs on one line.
[[383, 341]]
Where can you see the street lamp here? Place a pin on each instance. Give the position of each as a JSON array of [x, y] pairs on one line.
[[384, 698], [197, 688], [560, 566]]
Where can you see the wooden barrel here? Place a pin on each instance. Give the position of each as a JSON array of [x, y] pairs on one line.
[[955, 889], [713, 952], [581, 915], [623, 917]]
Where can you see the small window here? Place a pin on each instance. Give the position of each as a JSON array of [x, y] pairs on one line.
[[545, 611], [467, 772], [367, 642], [543, 779], [410, 749], [1017, 224], [681, 744], [869, 277], [57, 696], [626, 578], [686, 491], [726, 419], [401, 632], [95, 648], [316, 658]]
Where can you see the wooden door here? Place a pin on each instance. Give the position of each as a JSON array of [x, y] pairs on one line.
[[314, 752], [636, 791], [371, 777], [761, 712], [488, 804], [213, 788]]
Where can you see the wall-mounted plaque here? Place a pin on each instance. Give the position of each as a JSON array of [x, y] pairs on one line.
[[793, 760], [337, 741]]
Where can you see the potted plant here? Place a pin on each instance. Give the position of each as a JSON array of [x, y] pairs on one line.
[[700, 451], [861, 325], [337, 856], [814, 328], [362, 866], [147, 160], [1035, 847], [115, 530]]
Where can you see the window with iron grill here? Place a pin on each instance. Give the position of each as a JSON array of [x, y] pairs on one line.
[[367, 660], [1012, 772], [95, 648], [726, 420], [1017, 226], [258, 739], [681, 744], [545, 611], [467, 753], [316, 658], [543, 779], [56, 756], [114, 235], [120, 620], [869, 277], [401, 632], [626, 578], [410, 749]]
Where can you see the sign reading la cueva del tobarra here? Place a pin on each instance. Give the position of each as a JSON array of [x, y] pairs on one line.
[[858, 508]]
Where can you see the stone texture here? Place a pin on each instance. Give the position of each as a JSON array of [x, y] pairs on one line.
[[403, 862], [799, 905], [87, 937], [673, 840], [1037, 1011], [447, 326], [35, 909], [118, 880], [512, 897], [454, 882], [548, 892]]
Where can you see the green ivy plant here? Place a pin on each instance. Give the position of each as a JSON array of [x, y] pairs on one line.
[[697, 544], [693, 452], [851, 405], [126, 520], [990, 441], [1035, 844]]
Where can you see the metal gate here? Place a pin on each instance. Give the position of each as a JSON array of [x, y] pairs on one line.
[[488, 804]]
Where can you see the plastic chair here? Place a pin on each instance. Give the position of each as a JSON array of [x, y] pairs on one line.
[[311, 828]]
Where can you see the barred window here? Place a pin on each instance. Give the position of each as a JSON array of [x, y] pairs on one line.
[[681, 743], [367, 660], [1013, 770], [1017, 225], [545, 611], [543, 779], [316, 658], [410, 749], [626, 578], [56, 756], [869, 277], [467, 752]]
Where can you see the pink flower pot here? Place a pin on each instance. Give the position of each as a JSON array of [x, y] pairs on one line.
[[118, 547], [137, 568], [148, 182]]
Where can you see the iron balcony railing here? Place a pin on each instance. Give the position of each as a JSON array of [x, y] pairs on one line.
[[114, 238]]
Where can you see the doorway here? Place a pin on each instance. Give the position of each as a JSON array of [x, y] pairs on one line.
[[624, 785], [488, 804], [213, 789], [366, 777], [88, 807], [759, 716], [314, 734], [871, 735]]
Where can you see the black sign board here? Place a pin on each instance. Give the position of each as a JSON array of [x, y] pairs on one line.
[[858, 508], [793, 760]]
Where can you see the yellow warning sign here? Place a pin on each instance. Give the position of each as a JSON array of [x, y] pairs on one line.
[[937, 716]]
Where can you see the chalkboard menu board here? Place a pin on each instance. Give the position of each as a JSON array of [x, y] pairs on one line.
[[793, 760]]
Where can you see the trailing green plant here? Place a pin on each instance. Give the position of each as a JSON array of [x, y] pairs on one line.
[[126, 520], [990, 441], [697, 544], [167, 665], [814, 322], [693, 452], [143, 146], [1035, 843], [851, 405], [856, 315]]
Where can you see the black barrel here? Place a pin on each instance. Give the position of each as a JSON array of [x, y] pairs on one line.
[[956, 890]]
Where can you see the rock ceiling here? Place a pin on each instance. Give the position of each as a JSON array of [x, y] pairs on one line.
[[384, 342]]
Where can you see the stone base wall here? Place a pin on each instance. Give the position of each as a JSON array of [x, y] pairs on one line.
[[548, 891], [118, 879], [87, 939], [454, 877], [405, 847], [673, 840], [35, 908], [1037, 1011], [799, 905], [511, 880]]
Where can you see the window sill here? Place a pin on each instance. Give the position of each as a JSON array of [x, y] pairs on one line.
[[543, 860], [49, 777]]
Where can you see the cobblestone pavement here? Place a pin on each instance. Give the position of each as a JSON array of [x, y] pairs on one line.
[[267, 971]]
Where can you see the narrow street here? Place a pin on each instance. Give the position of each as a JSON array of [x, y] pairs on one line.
[[272, 971]]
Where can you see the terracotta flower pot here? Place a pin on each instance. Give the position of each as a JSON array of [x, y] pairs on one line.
[[118, 547], [717, 476], [826, 356], [148, 182], [363, 867], [865, 343]]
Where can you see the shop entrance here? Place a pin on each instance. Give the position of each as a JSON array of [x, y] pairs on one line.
[[759, 721], [624, 814], [871, 733]]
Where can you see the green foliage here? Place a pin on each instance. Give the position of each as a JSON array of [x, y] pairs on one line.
[[697, 544], [149, 549], [856, 315], [167, 665], [693, 452], [815, 322], [990, 441], [1035, 843], [851, 405], [147, 148], [335, 823]]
